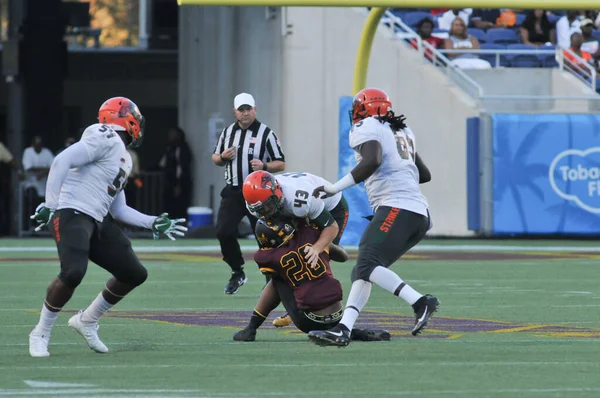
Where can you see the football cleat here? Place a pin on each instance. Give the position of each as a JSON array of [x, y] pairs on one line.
[[335, 336], [235, 282], [424, 309], [247, 334], [89, 331], [38, 344], [370, 335], [282, 321]]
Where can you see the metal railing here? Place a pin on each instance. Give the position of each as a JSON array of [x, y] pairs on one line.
[[144, 194], [582, 70]]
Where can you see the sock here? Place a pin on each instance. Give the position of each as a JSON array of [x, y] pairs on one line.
[[391, 282], [357, 299], [47, 319], [256, 320], [98, 307]]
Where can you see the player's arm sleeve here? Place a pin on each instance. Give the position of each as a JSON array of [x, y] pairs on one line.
[[323, 220], [274, 148], [121, 212], [74, 156]]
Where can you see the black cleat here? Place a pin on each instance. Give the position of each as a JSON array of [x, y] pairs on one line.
[[247, 334], [237, 279], [370, 335], [335, 336], [424, 309]]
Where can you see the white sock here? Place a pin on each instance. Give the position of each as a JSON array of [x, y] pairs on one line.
[[357, 299], [98, 307], [391, 282], [46, 322]]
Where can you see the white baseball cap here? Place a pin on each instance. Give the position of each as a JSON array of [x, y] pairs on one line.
[[243, 99]]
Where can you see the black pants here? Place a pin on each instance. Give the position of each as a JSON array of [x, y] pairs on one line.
[[231, 211], [390, 234], [340, 214], [79, 237], [304, 320]]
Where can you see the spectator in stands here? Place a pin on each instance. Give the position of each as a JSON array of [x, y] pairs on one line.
[[177, 163], [68, 142], [566, 26], [36, 164], [486, 18], [590, 43], [445, 20], [5, 158], [537, 30], [577, 65], [460, 40], [424, 29]]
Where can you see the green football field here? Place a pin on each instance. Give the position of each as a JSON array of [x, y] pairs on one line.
[[518, 319]]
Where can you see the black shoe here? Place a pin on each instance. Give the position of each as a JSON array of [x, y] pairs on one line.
[[237, 279], [336, 336], [370, 335], [247, 334], [424, 309]]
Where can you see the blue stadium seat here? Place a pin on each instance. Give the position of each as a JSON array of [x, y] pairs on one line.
[[479, 34], [520, 19], [491, 58], [596, 34], [413, 18], [548, 60], [553, 19], [523, 60], [502, 36]]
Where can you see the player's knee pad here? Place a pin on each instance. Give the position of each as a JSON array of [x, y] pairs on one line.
[[134, 278], [72, 276]]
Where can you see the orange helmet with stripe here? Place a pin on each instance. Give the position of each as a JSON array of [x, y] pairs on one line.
[[122, 114], [263, 194], [370, 102]]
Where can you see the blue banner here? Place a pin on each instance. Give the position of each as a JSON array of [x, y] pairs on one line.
[[356, 196], [546, 174]]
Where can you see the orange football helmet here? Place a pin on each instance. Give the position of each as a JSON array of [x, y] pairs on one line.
[[120, 113], [263, 194], [370, 102]]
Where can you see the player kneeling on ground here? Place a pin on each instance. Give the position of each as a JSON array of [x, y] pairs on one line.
[[310, 294], [85, 183]]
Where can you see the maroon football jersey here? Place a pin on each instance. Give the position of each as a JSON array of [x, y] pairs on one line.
[[314, 289]]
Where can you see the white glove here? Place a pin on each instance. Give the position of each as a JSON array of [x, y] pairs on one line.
[[164, 225]]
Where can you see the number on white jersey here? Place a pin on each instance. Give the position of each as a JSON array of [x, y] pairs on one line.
[[406, 150]]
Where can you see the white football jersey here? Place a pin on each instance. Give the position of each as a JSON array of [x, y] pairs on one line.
[[298, 195], [93, 187], [396, 182]]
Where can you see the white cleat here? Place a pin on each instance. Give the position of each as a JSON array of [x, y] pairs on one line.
[[89, 331], [38, 344]]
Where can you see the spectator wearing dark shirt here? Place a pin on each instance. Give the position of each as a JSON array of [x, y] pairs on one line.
[[537, 30], [177, 164], [485, 18]]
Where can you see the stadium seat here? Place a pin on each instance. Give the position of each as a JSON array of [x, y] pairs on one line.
[[413, 18], [523, 60], [553, 19], [520, 19], [596, 34], [502, 36], [491, 58], [479, 34], [548, 60]]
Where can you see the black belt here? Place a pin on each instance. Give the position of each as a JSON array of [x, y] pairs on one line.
[[336, 316]]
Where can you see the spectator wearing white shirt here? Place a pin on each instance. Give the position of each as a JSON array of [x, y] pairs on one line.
[[590, 43], [36, 164], [565, 27], [445, 20]]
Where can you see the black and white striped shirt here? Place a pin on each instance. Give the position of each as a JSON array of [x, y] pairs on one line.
[[258, 141]]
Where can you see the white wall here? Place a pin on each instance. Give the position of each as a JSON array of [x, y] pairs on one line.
[[318, 67]]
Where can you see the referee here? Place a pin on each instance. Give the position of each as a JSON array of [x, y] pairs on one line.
[[243, 147]]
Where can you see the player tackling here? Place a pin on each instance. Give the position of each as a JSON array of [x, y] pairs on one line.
[[85, 183], [392, 170]]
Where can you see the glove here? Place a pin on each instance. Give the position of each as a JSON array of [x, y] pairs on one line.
[[164, 225], [42, 216]]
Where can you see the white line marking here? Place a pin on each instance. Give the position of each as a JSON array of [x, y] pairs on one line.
[[421, 248], [52, 384]]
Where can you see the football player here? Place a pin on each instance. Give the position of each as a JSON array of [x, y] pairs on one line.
[[310, 294], [392, 170], [85, 183], [289, 194]]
